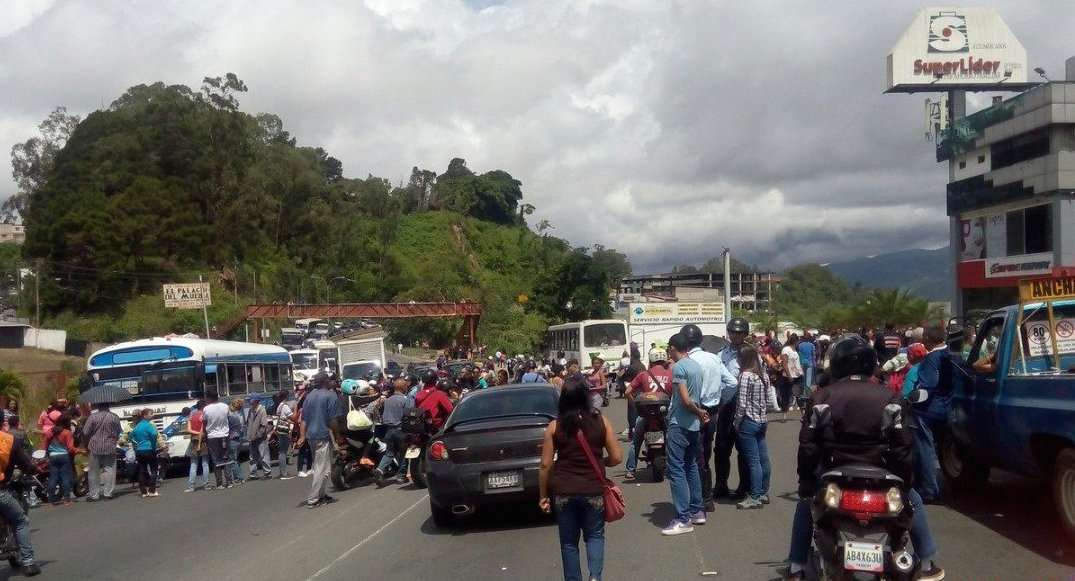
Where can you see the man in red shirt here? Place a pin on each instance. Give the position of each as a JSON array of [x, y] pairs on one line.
[[198, 450], [433, 400], [657, 378]]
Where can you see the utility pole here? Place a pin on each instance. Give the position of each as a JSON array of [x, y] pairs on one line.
[[37, 295], [205, 315]]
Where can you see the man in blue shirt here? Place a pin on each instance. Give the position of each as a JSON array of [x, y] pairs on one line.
[[806, 359], [685, 418], [718, 384], [319, 423]]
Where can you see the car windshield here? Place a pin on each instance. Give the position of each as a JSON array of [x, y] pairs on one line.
[[361, 370], [304, 360], [605, 335], [505, 402]]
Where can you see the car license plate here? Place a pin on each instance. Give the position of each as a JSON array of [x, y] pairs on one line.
[[864, 557], [654, 437], [413, 452], [503, 479]]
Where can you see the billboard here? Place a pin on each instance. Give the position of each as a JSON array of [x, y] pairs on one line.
[[676, 313], [950, 48], [194, 295]]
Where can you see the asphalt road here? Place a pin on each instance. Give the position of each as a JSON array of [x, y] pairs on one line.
[[262, 531]]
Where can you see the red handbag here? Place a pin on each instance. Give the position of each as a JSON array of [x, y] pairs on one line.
[[615, 506]]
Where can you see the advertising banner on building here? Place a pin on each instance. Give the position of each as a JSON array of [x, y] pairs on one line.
[[676, 313], [194, 295], [973, 239], [952, 47], [996, 235], [1019, 266]]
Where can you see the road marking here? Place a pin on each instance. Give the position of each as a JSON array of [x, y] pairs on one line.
[[348, 552]]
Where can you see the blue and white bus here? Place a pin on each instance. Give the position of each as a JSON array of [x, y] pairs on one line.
[[167, 374]]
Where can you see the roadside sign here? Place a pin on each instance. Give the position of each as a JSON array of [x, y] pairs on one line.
[[675, 313], [1047, 289], [194, 295]]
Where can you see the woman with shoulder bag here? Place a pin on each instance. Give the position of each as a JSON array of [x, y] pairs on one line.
[[283, 430], [575, 479]]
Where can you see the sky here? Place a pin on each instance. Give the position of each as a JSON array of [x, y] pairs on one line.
[[667, 129]]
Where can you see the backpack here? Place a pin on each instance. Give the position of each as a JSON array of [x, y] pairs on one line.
[[416, 421]]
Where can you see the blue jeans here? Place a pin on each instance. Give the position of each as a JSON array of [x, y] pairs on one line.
[[577, 513], [194, 461], [60, 473], [283, 442], [751, 441], [808, 376], [925, 463], [12, 513], [393, 440], [236, 472], [637, 435], [802, 529], [681, 447]]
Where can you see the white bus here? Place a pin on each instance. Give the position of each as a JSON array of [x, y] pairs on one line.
[[168, 374], [322, 357], [606, 338]]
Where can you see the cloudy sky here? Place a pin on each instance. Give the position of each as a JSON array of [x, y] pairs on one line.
[[667, 129]]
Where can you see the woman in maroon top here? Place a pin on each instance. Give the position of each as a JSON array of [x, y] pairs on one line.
[[572, 480]]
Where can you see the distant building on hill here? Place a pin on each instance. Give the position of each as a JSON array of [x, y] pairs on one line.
[[12, 233], [751, 291]]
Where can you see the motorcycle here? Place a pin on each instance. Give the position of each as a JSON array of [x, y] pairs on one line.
[[862, 519], [357, 454], [80, 482], [652, 407], [21, 486], [418, 426]]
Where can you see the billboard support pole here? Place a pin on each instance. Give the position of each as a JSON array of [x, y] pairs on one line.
[[205, 315]]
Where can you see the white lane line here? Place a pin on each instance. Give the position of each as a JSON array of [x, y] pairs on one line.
[[348, 552]]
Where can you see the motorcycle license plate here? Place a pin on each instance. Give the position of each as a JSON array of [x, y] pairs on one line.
[[864, 557], [654, 437], [503, 479], [413, 452]]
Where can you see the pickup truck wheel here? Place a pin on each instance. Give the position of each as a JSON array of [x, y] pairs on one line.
[[964, 473], [1064, 489]]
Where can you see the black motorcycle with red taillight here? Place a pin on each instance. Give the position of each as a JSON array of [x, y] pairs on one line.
[[862, 519], [653, 409], [418, 426]]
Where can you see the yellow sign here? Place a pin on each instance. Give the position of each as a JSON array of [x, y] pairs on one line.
[[1047, 289]]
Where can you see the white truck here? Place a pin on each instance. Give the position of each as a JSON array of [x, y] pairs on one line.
[[362, 358]]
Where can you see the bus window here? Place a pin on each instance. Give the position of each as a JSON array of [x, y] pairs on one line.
[[236, 379], [255, 379], [287, 380], [272, 377], [605, 335]]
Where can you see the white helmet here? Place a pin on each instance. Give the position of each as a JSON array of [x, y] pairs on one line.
[[362, 387], [657, 355]]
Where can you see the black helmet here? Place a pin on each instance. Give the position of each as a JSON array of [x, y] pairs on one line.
[[738, 325], [851, 355], [430, 377], [692, 335]]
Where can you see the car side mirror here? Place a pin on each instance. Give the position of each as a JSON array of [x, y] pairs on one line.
[[918, 396]]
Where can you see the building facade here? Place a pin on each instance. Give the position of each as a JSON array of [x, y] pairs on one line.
[[750, 291], [12, 233], [1011, 194]]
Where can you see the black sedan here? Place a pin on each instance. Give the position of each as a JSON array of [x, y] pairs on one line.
[[489, 451]]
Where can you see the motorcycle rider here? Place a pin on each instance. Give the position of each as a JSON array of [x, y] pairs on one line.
[[433, 400], [657, 378], [13, 453], [861, 431]]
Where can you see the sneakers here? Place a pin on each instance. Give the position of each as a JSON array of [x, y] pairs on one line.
[[934, 573], [189, 489], [629, 477], [31, 570], [303, 474], [286, 477], [710, 506], [749, 504], [153, 494], [677, 528], [401, 479], [207, 487], [378, 477], [698, 518], [764, 499], [321, 502]]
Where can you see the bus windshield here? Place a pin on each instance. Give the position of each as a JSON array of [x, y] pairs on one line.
[[605, 335], [366, 370], [304, 360]]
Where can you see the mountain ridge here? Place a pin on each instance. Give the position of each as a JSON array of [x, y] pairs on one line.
[[927, 273]]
